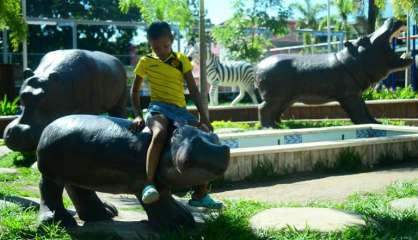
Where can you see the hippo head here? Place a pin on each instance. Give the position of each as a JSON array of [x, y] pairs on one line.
[[197, 157], [37, 111], [375, 53]]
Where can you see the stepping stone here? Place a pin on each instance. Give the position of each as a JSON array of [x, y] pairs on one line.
[[8, 170], [25, 202], [405, 203], [319, 219], [138, 230], [6, 204], [4, 150]]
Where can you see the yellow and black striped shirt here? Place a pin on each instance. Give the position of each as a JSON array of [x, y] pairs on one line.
[[165, 77]]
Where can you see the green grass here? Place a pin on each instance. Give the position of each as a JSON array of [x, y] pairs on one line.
[[382, 222], [19, 223], [24, 183], [233, 223], [18, 159]]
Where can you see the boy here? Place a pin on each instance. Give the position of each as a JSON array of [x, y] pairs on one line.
[[166, 72]]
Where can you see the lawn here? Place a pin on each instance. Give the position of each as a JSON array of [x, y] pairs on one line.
[[382, 221]]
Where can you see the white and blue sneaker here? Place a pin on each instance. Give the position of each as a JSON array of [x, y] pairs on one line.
[[150, 194]]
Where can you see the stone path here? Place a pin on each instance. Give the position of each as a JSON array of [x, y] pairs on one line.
[[8, 171], [301, 189], [4, 150], [319, 219], [405, 204]]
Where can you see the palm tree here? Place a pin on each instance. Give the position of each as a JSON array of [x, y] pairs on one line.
[[344, 8], [309, 13]]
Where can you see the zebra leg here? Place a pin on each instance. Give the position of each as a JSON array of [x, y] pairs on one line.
[[251, 92], [213, 94], [240, 96]]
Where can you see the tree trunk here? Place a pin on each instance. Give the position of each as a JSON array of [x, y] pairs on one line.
[[372, 14]]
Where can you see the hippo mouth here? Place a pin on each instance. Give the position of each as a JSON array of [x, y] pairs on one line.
[[396, 29]]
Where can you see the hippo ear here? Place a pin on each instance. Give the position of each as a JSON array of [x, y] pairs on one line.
[[28, 73], [348, 44], [53, 76]]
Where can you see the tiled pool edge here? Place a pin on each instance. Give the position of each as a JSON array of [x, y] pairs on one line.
[[305, 157]]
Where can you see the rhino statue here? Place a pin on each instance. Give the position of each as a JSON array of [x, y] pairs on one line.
[[66, 82], [88, 153], [319, 78]]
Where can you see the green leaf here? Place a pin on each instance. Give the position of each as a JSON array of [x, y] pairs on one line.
[[11, 19]]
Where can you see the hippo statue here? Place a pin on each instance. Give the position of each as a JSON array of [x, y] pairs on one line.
[[67, 82], [88, 153], [319, 78]]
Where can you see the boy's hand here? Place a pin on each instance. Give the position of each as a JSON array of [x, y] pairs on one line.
[[206, 125], [137, 124]]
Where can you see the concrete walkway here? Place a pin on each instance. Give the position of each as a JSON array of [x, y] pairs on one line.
[[301, 189]]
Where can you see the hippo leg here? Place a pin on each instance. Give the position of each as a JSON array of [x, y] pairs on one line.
[[270, 111], [51, 207], [356, 109], [88, 206], [168, 213]]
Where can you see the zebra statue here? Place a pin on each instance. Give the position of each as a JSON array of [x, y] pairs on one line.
[[230, 74]]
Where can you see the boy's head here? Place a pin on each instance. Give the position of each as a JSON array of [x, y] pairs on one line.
[[160, 38]]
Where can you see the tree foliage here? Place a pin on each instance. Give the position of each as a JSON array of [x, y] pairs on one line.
[[401, 8], [247, 34], [309, 13], [111, 39], [11, 18], [174, 11], [345, 8]]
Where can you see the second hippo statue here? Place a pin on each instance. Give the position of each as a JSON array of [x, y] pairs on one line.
[[67, 82], [342, 76]]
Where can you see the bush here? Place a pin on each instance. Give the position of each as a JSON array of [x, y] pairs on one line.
[[385, 93], [8, 107]]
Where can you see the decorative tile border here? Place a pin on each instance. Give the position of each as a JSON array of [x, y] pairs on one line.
[[292, 139], [369, 133], [230, 142]]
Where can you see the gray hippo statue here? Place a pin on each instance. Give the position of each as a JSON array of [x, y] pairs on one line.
[[67, 82], [319, 78], [88, 153]]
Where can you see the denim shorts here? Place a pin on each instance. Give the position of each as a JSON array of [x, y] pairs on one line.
[[177, 115]]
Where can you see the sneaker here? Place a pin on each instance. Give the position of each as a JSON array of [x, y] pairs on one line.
[[150, 194], [206, 202]]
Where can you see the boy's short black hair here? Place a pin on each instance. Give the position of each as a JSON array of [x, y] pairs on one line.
[[159, 29]]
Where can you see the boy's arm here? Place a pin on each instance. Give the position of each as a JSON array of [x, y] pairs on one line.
[[195, 96], [135, 100]]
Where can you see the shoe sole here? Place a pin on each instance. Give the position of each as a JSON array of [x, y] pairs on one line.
[[151, 198]]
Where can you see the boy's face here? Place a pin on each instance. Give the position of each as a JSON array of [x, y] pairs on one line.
[[161, 46]]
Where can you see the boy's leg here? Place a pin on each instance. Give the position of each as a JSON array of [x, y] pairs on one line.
[[200, 191], [158, 125], [201, 198]]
